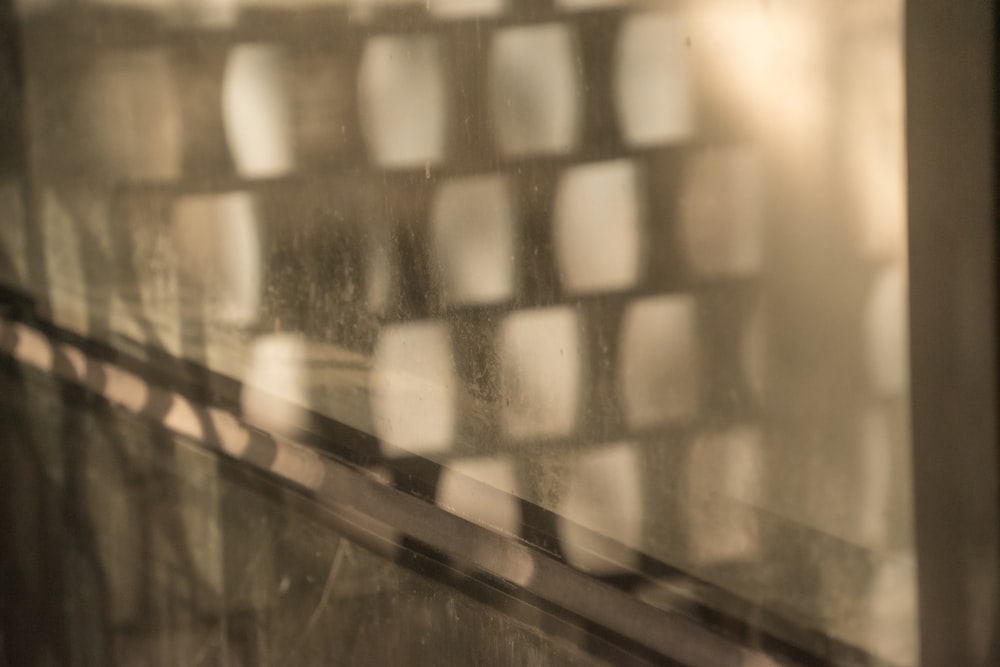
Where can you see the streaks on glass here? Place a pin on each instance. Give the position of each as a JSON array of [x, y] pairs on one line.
[[653, 80], [659, 376], [541, 373]]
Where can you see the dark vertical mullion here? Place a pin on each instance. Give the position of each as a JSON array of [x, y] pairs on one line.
[[535, 189], [601, 413], [407, 206], [663, 170], [951, 138], [200, 67], [598, 39]]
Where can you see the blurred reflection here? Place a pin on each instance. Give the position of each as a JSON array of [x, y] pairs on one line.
[[480, 490]]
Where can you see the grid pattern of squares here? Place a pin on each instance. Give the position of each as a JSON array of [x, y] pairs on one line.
[[506, 215]]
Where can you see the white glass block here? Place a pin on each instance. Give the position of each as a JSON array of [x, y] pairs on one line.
[[256, 110], [27, 8], [721, 212], [482, 491], [572, 5], [130, 106], [275, 385], [659, 361], [534, 90], [472, 226], [723, 482], [413, 387], [465, 8], [152, 306], [541, 371], [402, 91], [604, 498], [599, 226], [218, 243], [652, 82], [214, 14], [887, 330]]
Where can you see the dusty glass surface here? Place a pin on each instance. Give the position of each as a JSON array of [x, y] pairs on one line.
[[642, 263]]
